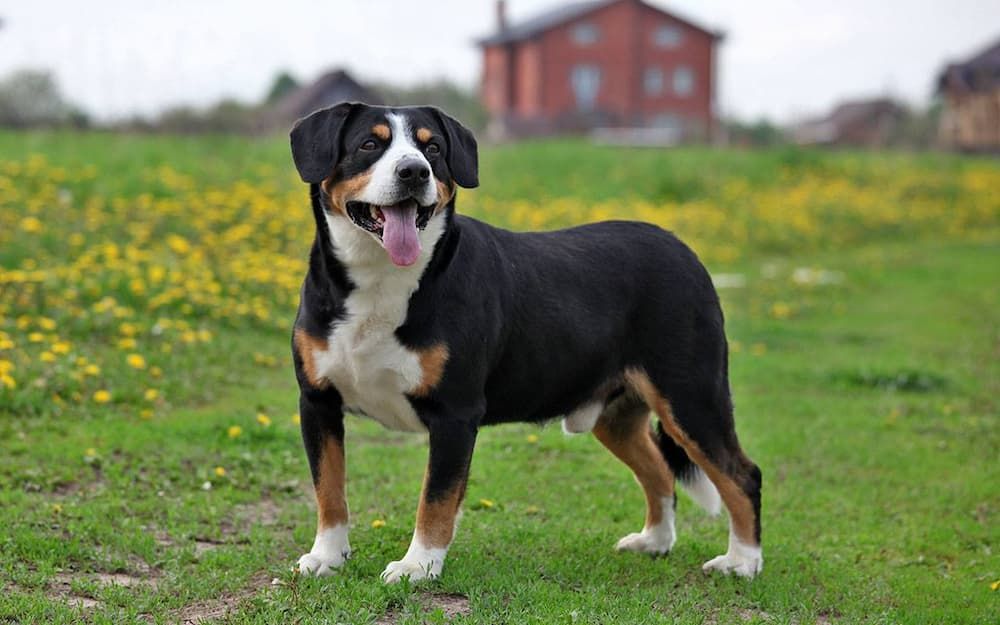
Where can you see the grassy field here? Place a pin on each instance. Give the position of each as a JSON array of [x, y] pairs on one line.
[[152, 469]]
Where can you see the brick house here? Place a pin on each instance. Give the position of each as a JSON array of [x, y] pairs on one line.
[[600, 63]]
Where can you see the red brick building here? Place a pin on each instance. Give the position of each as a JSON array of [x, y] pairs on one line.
[[600, 63]]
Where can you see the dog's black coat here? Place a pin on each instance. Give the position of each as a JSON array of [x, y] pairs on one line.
[[536, 324]]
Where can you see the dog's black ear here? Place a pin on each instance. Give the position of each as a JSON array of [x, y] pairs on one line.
[[463, 153], [316, 141]]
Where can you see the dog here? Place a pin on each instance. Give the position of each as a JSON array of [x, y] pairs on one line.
[[432, 322]]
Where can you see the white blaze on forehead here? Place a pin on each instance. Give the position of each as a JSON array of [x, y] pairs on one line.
[[384, 187]]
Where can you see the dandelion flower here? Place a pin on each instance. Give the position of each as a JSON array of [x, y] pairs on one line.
[[8, 381], [263, 419], [486, 503], [151, 394], [47, 357], [296, 419], [136, 361], [92, 370], [220, 471], [531, 438], [36, 337], [378, 523], [46, 324], [234, 431], [126, 343], [102, 396], [155, 372]]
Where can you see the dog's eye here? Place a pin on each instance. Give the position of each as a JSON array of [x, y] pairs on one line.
[[369, 145], [433, 148]]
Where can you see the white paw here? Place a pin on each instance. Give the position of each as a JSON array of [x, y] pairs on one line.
[[329, 552], [413, 569], [743, 562], [318, 565], [653, 543]]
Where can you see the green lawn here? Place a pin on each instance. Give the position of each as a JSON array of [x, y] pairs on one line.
[[867, 397]]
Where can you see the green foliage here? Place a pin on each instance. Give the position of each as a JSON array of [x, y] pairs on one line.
[[284, 83]]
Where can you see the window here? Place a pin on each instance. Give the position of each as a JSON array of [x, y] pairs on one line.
[[586, 81], [652, 81], [585, 34], [667, 37], [683, 81]]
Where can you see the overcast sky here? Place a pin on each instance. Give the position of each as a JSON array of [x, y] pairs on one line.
[[781, 58]]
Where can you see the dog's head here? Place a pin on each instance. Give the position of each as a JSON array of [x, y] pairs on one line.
[[387, 170]]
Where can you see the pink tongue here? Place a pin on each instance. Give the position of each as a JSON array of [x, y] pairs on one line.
[[399, 233]]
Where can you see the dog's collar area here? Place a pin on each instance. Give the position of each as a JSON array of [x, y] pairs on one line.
[[370, 217]]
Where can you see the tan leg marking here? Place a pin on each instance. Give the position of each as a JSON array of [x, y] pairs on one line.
[[740, 508], [381, 131], [436, 519], [306, 345], [331, 502], [424, 135], [345, 190], [630, 439], [432, 362]]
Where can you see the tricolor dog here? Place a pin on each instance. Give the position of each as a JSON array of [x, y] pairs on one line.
[[432, 322]]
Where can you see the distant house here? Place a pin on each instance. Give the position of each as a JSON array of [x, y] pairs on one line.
[[858, 123], [970, 117], [329, 89], [600, 63]]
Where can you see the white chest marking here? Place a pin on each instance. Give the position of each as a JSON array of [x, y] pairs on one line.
[[367, 365]]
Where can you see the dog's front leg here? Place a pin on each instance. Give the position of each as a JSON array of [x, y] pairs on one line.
[[451, 444], [322, 420]]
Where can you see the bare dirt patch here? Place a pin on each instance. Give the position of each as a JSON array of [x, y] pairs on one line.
[[451, 605], [199, 612]]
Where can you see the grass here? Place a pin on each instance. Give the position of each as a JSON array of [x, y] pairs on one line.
[[864, 373]]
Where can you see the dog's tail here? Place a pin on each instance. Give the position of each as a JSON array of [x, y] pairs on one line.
[[690, 475]]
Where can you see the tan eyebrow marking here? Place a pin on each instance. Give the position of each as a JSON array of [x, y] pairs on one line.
[[424, 135], [381, 131]]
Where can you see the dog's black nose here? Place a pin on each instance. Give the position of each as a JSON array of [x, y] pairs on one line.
[[412, 171]]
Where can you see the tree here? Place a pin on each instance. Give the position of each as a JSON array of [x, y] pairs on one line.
[[31, 98], [284, 83]]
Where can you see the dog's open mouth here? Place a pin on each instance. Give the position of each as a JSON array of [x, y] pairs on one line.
[[395, 225]]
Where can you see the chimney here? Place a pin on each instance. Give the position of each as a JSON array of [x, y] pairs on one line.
[[501, 15]]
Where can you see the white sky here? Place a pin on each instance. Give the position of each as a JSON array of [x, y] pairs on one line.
[[781, 58]]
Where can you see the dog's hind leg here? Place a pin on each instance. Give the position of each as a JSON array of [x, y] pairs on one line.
[[702, 425], [623, 427]]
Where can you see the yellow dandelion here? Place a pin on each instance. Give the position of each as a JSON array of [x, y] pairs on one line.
[[220, 472], [61, 347], [92, 370], [156, 372], [151, 394], [36, 337], [136, 361], [296, 418], [102, 396], [128, 329], [126, 343], [6, 366], [47, 357], [8, 381], [531, 438], [90, 452], [31, 224], [378, 523], [46, 324], [781, 310], [234, 431], [57, 508], [487, 503], [263, 419], [995, 585]]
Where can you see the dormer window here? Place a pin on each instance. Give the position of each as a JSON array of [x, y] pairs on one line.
[[667, 36], [585, 34]]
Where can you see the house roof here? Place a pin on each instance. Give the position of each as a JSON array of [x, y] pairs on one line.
[[979, 73], [304, 100], [557, 16]]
